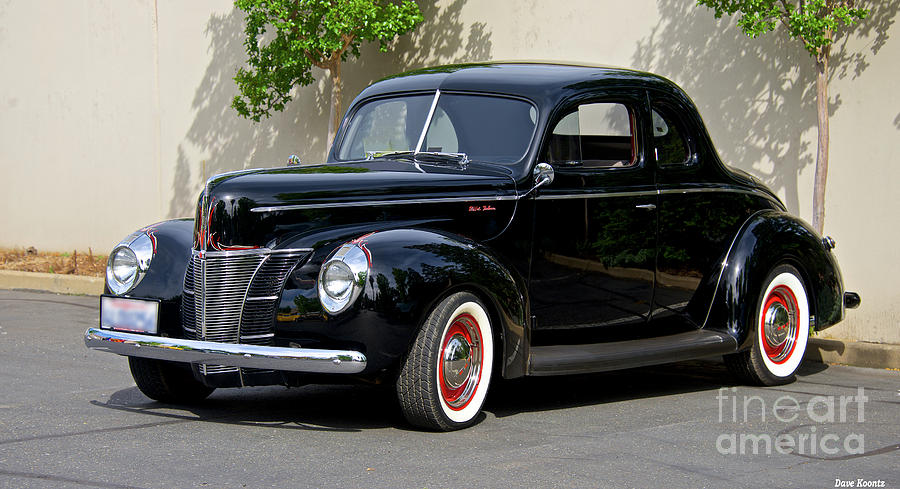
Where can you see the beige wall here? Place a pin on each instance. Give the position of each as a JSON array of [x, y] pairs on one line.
[[113, 113]]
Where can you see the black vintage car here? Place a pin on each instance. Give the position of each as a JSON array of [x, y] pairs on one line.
[[476, 221]]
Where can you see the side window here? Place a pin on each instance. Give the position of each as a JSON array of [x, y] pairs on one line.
[[596, 135], [441, 135], [385, 125], [670, 146]]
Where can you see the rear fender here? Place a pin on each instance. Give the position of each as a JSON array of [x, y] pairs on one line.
[[770, 238]]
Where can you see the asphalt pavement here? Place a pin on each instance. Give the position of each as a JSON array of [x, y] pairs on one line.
[[71, 417]]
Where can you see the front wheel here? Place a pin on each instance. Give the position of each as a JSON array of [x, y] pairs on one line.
[[781, 331], [444, 379], [167, 381]]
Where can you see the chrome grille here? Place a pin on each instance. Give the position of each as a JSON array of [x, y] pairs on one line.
[[231, 296], [258, 316]]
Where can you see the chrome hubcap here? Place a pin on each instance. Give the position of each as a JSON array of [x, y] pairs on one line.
[[459, 367], [779, 324], [457, 361]]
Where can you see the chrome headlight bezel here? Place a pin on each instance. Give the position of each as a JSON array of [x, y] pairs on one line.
[[142, 246], [351, 258]]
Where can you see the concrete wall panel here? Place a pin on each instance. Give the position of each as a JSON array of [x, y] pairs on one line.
[[114, 113]]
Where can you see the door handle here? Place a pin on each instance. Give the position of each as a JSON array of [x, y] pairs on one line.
[[649, 207]]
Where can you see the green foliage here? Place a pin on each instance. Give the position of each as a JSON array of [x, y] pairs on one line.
[[813, 22], [286, 38]]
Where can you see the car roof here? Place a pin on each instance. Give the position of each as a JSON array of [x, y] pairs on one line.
[[540, 82], [547, 85]]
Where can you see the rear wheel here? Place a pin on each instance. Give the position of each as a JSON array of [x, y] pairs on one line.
[[444, 379], [781, 332], [167, 381]]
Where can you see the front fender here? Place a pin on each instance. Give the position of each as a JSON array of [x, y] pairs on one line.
[[767, 239], [411, 271], [414, 269], [165, 277]]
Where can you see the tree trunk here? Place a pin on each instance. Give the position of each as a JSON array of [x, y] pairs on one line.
[[822, 153], [337, 89]]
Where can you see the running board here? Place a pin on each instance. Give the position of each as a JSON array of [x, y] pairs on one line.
[[599, 357]]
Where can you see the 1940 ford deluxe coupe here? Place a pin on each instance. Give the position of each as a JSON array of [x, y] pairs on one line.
[[476, 221]]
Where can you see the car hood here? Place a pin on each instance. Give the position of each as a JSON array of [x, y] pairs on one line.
[[268, 207]]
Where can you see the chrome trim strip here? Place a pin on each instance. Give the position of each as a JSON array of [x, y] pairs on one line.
[[668, 191], [374, 203], [254, 251], [703, 190], [641, 193], [228, 354], [204, 221], [263, 298], [258, 336], [442, 200], [202, 325], [434, 102]]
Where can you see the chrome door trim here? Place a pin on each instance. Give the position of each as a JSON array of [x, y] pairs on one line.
[[704, 190], [639, 193]]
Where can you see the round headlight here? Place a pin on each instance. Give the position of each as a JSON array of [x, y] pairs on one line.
[[129, 262], [337, 280], [122, 270], [342, 277]]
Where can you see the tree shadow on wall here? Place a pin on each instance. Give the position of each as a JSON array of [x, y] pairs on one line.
[[228, 142], [757, 96], [443, 38], [218, 140]]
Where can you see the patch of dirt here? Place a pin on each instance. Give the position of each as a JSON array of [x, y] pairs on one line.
[[74, 263]]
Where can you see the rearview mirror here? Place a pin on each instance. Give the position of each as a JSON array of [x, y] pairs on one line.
[[543, 175]]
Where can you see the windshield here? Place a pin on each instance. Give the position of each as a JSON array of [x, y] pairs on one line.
[[482, 127]]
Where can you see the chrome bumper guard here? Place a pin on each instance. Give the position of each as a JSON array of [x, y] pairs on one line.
[[232, 355]]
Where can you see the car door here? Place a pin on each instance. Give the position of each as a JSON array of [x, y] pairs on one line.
[[700, 212], [593, 259]]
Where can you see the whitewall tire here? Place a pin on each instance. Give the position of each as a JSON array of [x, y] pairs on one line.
[[781, 331], [444, 380]]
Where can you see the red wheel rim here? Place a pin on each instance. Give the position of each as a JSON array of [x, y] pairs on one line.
[[779, 325], [460, 362]]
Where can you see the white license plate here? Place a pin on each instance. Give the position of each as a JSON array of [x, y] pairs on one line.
[[135, 315]]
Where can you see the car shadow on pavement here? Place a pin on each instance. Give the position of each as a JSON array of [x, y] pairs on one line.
[[342, 408], [353, 408], [528, 394]]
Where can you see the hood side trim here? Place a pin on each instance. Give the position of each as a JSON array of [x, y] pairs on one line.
[[370, 203]]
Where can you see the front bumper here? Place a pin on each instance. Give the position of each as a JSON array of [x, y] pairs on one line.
[[229, 354]]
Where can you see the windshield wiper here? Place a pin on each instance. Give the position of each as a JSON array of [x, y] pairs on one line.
[[436, 157]]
